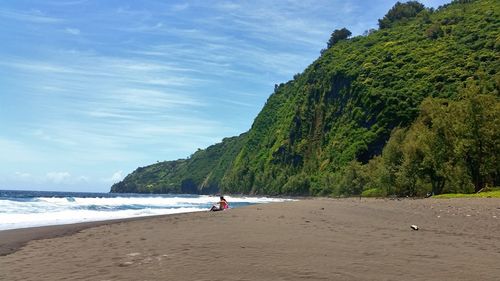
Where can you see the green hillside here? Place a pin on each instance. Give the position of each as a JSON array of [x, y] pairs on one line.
[[317, 132], [200, 173]]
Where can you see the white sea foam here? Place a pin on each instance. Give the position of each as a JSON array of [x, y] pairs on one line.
[[41, 211], [12, 221], [156, 201]]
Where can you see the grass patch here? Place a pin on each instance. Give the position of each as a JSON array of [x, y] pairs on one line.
[[373, 192], [487, 194]]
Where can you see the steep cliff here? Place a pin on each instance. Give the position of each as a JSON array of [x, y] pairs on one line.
[[344, 105]]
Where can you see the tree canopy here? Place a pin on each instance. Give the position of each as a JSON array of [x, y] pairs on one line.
[[337, 35], [400, 11]]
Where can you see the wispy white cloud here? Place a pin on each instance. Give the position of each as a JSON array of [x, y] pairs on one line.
[[31, 16], [180, 7], [23, 175], [110, 114], [72, 31], [64, 177], [41, 67], [40, 134], [275, 21], [115, 177], [67, 2], [147, 98], [226, 57], [58, 177]]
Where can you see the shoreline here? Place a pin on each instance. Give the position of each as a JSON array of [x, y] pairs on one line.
[[316, 239], [13, 240]]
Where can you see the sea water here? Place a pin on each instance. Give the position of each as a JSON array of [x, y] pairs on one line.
[[20, 209]]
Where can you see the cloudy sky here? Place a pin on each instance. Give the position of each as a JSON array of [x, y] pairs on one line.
[[92, 89]]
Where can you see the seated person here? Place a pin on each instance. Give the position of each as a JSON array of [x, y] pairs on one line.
[[222, 205]]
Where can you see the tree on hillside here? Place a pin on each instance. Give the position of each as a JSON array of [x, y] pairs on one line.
[[434, 31], [400, 11], [338, 35], [477, 125], [452, 147]]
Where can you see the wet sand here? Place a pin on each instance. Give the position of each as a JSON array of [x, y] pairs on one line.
[[320, 239]]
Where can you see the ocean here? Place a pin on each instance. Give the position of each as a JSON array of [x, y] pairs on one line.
[[20, 209]]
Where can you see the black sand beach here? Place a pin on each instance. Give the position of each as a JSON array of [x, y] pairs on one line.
[[319, 239]]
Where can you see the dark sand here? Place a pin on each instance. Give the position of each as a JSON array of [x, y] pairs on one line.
[[319, 239], [13, 239]]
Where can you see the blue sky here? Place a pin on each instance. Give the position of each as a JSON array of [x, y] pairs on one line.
[[92, 89]]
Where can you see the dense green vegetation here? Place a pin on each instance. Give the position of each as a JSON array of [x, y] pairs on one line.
[[452, 147], [200, 173], [486, 194], [428, 80]]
